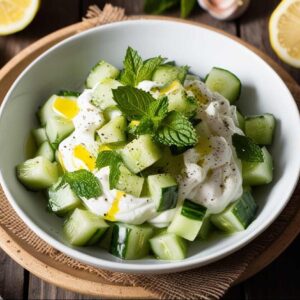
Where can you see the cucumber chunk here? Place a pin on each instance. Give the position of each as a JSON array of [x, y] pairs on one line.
[[39, 135], [46, 151], [225, 83], [165, 74], [111, 112], [260, 128], [188, 220], [102, 96], [58, 129], [100, 71], [241, 120], [130, 241], [205, 229], [237, 216], [82, 226], [62, 199], [37, 173], [163, 190], [130, 183], [114, 131], [168, 246], [258, 173], [140, 153]]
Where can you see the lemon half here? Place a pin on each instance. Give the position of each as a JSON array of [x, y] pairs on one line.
[[284, 30], [15, 15]]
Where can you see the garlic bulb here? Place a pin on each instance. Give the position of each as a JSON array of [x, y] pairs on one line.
[[225, 9]]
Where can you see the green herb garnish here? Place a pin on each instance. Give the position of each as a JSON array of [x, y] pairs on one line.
[[66, 93]]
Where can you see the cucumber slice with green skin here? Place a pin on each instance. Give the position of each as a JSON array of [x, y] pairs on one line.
[[166, 74], [62, 199], [39, 135], [102, 96], [188, 220], [114, 131], [260, 128], [46, 151], [169, 246], [238, 216], [258, 173], [225, 83], [130, 241], [140, 153], [130, 183], [163, 190], [58, 129], [106, 238], [37, 173], [241, 120], [205, 229], [102, 70], [82, 226], [111, 112]]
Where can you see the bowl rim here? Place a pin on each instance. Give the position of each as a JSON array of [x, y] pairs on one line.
[[126, 266]]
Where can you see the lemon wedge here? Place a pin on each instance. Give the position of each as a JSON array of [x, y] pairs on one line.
[[15, 15], [284, 30]]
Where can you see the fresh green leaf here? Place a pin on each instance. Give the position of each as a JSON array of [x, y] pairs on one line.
[[187, 7], [158, 108], [112, 160], [83, 183], [176, 130], [146, 126], [66, 93], [135, 70], [246, 149], [159, 6], [134, 103]]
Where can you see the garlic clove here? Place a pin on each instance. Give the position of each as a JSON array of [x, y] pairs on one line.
[[225, 9]]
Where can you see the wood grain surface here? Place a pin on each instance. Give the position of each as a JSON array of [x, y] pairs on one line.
[[278, 281]]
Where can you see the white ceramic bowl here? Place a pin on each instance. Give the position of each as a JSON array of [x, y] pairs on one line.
[[66, 65]]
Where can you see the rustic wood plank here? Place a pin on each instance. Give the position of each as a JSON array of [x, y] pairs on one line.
[[278, 281], [51, 16], [11, 278], [254, 29]]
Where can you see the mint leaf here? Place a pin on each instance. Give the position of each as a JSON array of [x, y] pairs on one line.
[[112, 160], [146, 126], [132, 102], [187, 7], [83, 183], [176, 130], [158, 6], [66, 93], [135, 70], [246, 149], [158, 108]]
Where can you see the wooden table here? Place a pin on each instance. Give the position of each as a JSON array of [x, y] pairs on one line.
[[278, 281]]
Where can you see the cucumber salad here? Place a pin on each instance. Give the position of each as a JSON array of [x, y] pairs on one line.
[[150, 158]]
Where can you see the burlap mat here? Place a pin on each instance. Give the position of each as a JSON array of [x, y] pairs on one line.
[[209, 282]]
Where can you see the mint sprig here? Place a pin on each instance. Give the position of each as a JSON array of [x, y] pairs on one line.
[[137, 70], [246, 149], [83, 183], [112, 160]]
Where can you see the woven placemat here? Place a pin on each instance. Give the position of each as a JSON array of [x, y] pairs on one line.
[[209, 282]]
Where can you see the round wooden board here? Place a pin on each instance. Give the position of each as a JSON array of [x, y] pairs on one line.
[[81, 281]]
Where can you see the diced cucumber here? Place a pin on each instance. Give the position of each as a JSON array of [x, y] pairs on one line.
[[39, 135], [241, 120], [111, 112], [237, 216], [82, 227], [62, 199], [46, 111], [46, 151], [225, 83], [188, 220], [258, 173], [205, 229], [130, 241], [163, 190], [102, 70], [58, 129], [102, 96], [114, 131], [169, 246], [106, 239], [260, 128], [165, 74], [140, 153], [37, 173], [129, 182]]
